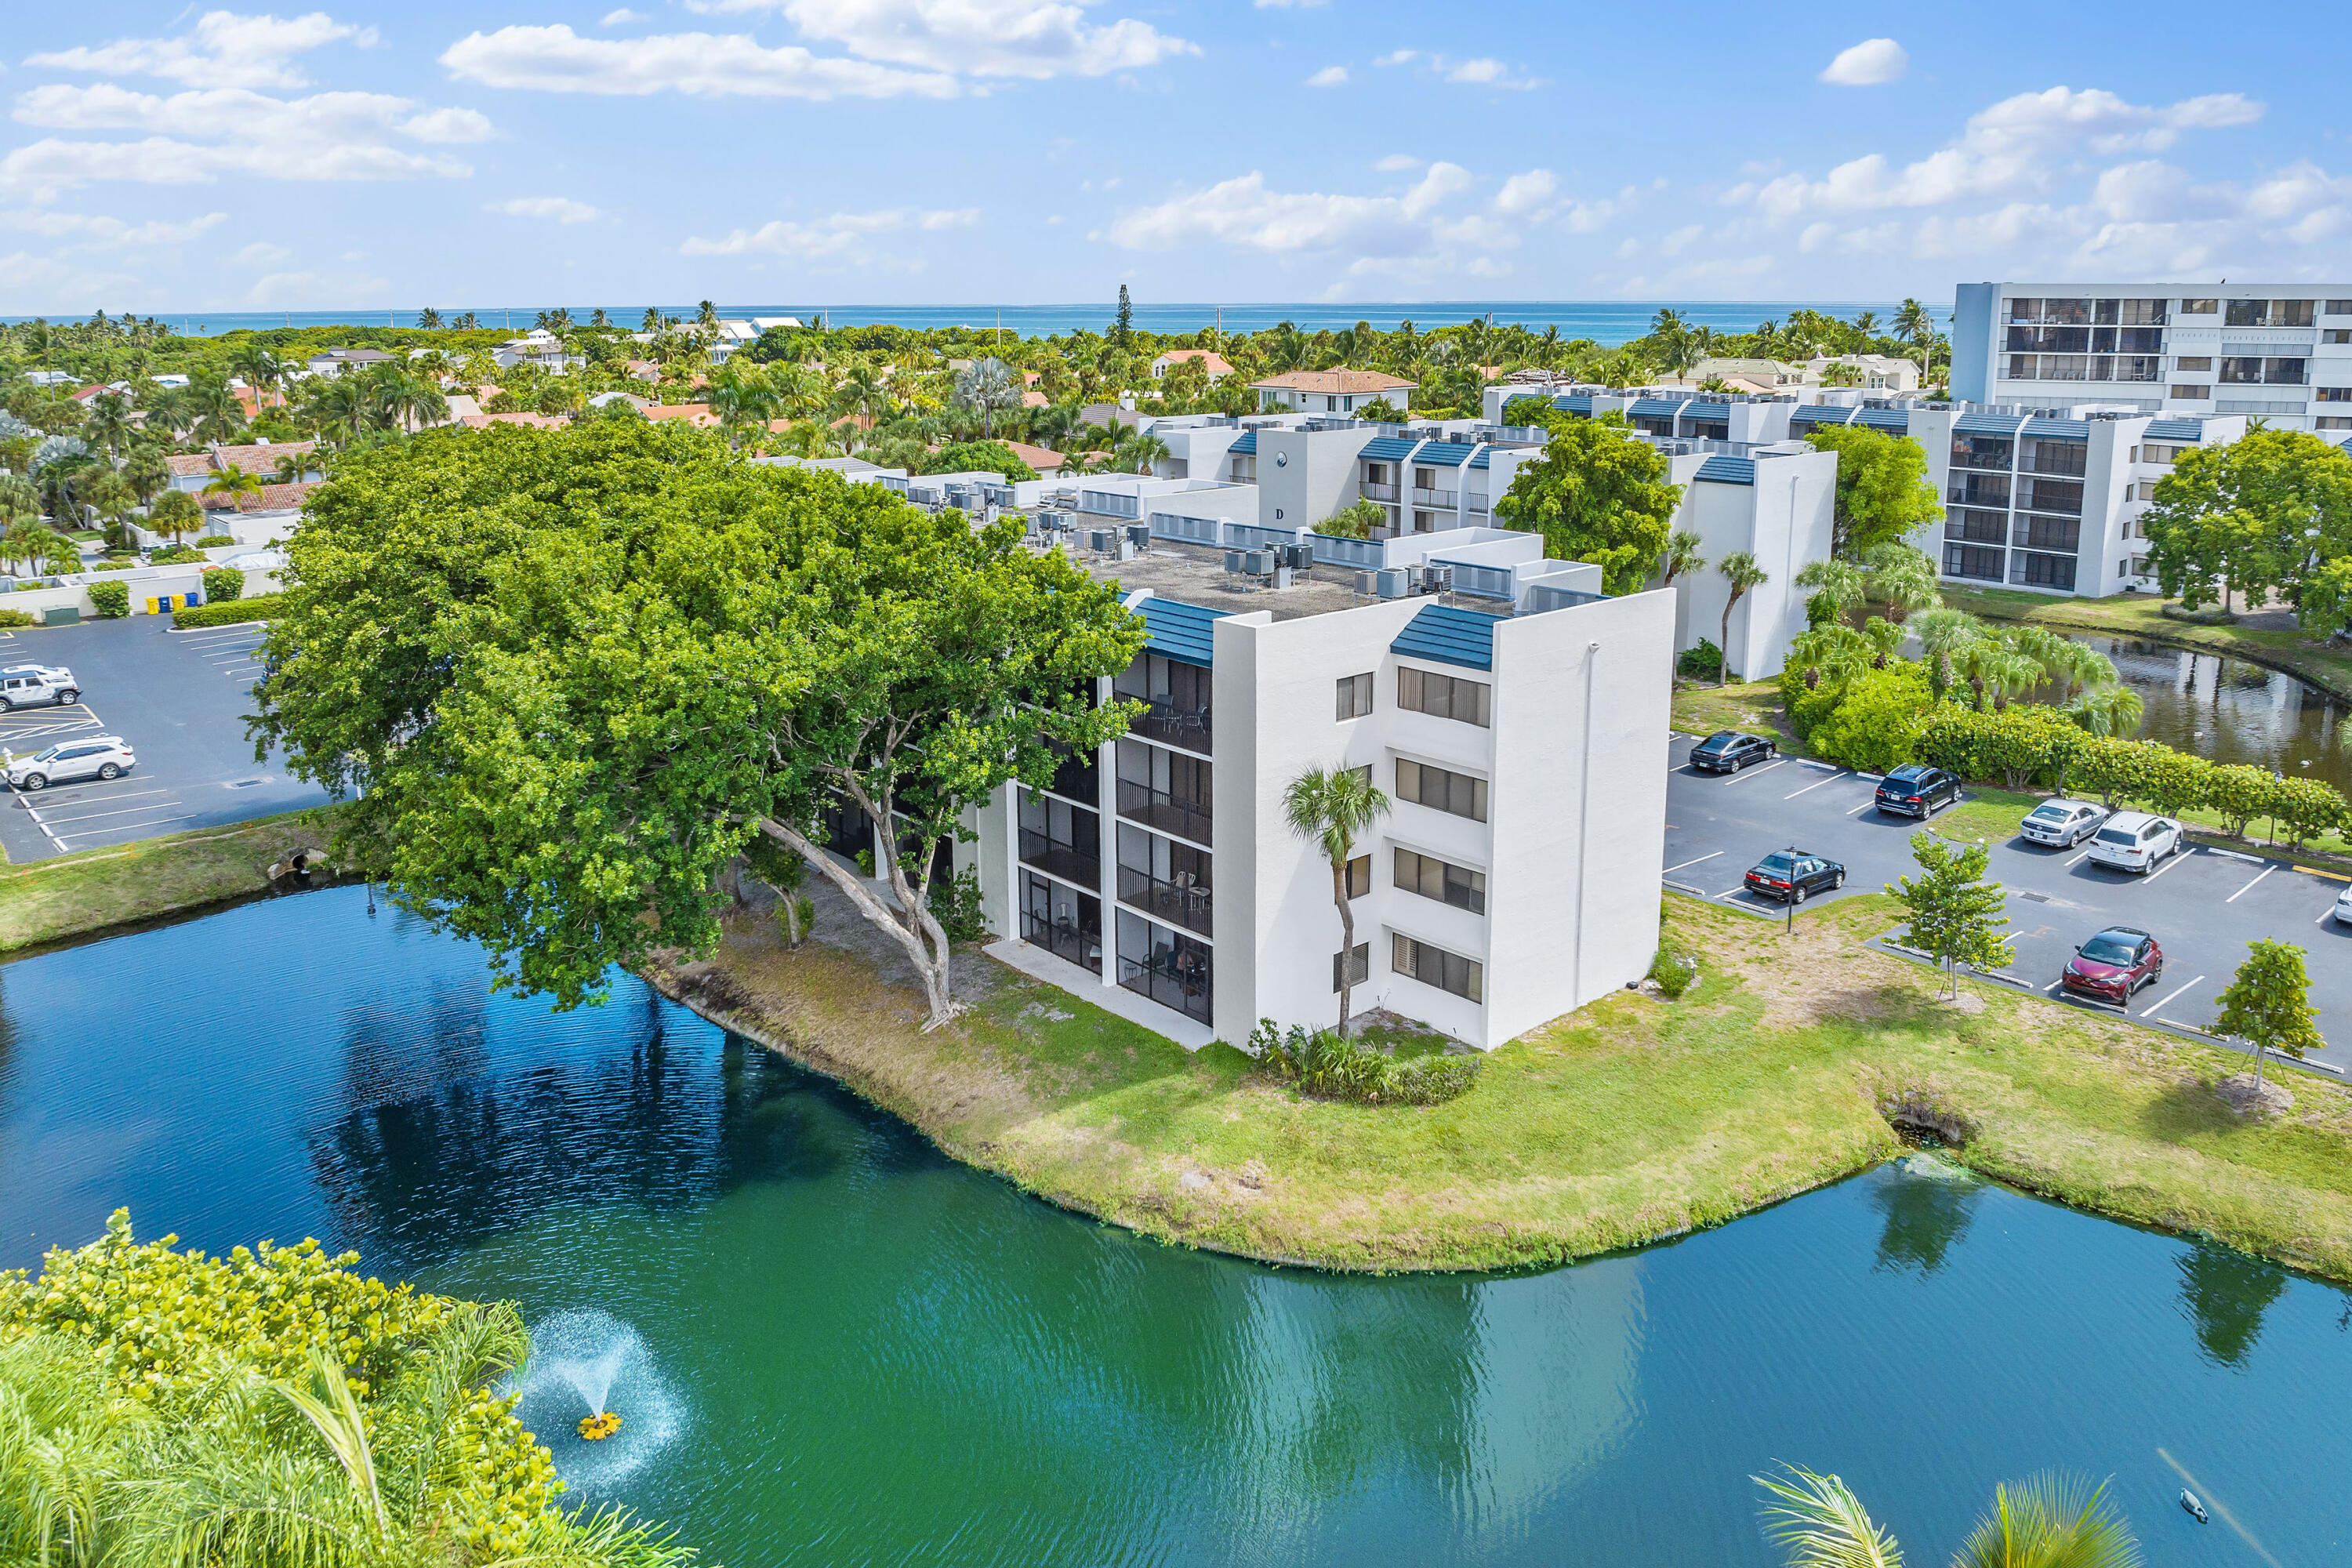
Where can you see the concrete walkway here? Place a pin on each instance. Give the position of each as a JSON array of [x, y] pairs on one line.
[[1039, 964]]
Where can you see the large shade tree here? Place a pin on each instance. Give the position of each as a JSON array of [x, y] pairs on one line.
[[2272, 511], [569, 674], [1598, 494], [1883, 489]]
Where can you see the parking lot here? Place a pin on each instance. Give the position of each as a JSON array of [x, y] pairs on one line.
[[2202, 907], [180, 700]]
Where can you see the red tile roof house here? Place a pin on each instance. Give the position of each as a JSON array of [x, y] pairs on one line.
[[1211, 361], [1328, 391], [272, 498], [192, 471]]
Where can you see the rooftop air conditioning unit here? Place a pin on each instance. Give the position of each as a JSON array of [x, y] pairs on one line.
[[1101, 540], [1298, 557], [1392, 582], [1139, 535], [1436, 579], [1259, 562], [1366, 583]]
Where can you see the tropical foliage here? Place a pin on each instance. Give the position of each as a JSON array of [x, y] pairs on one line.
[[2270, 513], [2047, 1521], [1599, 494], [1332, 1067]]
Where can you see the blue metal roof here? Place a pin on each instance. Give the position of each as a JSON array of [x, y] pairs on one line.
[[1178, 630], [2176, 429], [1444, 635], [1444, 453], [1574, 402], [1246, 447], [1893, 419], [1653, 407], [1987, 424], [1389, 448], [1722, 470], [1480, 461], [2058, 429], [1819, 414], [1710, 412]]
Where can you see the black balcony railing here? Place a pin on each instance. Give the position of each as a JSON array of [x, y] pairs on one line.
[[1177, 724], [1065, 939], [1972, 493], [1180, 815], [1065, 860], [1185, 904], [1378, 492], [1445, 499], [1173, 978]]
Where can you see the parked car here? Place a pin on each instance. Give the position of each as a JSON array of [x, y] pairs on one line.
[[1794, 875], [2113, 965], [83, 757], [37, 685], [2344, 909], [2135, 841], [2062, 823], [1729, 751], [1917, 790]]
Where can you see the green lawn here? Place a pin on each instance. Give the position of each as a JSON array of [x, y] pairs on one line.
[[1753, 706], [73, 895], [1633, 1119]]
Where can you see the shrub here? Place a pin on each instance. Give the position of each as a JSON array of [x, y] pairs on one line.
[[1704, 662], [223, 584], [956, 904], [1323, 1065], [168, 1376], [2239, 793], [114, 566], [1674, 972], [2306, 806], [109, 601], [1876, 722], [18, 618], [216, 541], [175, 555], [261, 607]]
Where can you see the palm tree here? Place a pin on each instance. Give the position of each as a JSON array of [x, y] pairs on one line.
[[1681, 556], [863, 391], [1138, 451], [1742, 572], [1913, 323], [215, 409], [744, 399], [146, 472], [1903, 578], [2109, 710], [1675, 344], [988, 386], [175, 512], [262, 370], [706, 315], [2049, 1521], [1329, 808], [235, 483], [110, 422], [19, 500], [652, 322], [1837, 586], [429, 320]]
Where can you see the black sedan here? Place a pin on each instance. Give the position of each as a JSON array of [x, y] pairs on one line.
[[1917, 790], [1793, 876], [1729, 751]]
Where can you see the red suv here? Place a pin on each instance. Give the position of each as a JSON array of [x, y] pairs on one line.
[[2113, 965]]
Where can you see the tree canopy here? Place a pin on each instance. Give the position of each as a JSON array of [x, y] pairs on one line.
[[976, 457], [1883, 490], [2269, 512], [1599, 495], [569, 673]]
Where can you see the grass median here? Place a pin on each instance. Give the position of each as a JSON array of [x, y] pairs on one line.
[[1632, 1120], [98, 889]]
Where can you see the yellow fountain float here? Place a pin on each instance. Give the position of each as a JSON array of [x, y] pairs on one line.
[[597, 1427]]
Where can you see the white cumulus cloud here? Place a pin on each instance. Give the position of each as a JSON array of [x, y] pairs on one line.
[[1036, 39], [1873, 62], [1329, 76], [621, 18], [224, 50], [84, 231], [840, 237], [556, 59], [560, 209]]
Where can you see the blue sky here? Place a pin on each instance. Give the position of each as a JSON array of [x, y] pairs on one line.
[[964, 152]]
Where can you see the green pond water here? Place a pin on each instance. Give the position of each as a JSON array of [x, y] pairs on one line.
[[831, 1345]]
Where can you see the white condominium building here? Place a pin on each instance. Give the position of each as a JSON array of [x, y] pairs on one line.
[[2279, 352], [1515, 715]]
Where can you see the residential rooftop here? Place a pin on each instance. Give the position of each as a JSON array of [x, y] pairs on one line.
[[1196, 574]]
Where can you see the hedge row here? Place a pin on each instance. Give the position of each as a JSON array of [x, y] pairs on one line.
[[229, 611], [2020, 745]]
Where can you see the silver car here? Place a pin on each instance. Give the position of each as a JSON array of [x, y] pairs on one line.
[[36, 686], [83, 757], [2062, 823]]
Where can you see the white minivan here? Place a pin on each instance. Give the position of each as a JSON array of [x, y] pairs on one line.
[[2135, 841]]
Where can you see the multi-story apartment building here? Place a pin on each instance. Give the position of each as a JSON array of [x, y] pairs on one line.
[[1517, 721], [2278, 351]]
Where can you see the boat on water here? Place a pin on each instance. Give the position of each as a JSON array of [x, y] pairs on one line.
[[2189, 1502]]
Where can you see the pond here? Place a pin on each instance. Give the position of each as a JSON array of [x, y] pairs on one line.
[[834, 1345], [2233, 712]]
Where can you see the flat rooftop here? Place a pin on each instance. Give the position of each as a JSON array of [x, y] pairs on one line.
[[1196, 574]]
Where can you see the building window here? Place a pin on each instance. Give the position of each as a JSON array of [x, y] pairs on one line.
[[1355, 695], [1175, 697], [1972, 561], [1360, 877], [2337, 335], [1441, 880], [1444, 696], [2193, 393], [2199, 307], [2143, 312], [1169, 968], [2043, 570], [1063, 920], [1441, 790], [2333, 422], [1359, 967], [2334, 394], [1167, 880], [2049, 534], [2194, 362], [2269, 313], [1165, 790], [1061, 838], [1435, 966], [2339, 307]]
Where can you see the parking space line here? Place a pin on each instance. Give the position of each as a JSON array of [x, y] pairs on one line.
[[1865, 806], [1815, 785], [2168, 864], [2078, 860], [126, 811], [2249, 887], [243, 670], [1766, 768], [2326, 915], [1674, 869], [2174, 997], [126, 828]]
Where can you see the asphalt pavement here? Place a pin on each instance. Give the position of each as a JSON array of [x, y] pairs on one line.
[[180, 699], [2203, 907]]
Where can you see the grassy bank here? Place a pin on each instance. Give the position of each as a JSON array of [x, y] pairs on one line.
[[2324, 663], [1635, 1120], [75, 895], [1753, 706]]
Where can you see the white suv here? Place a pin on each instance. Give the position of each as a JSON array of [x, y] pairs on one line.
[[2135, 841], [86, 757], [32, 685]]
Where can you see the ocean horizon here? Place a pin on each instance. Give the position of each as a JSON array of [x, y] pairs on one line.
[[1608, 322]]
